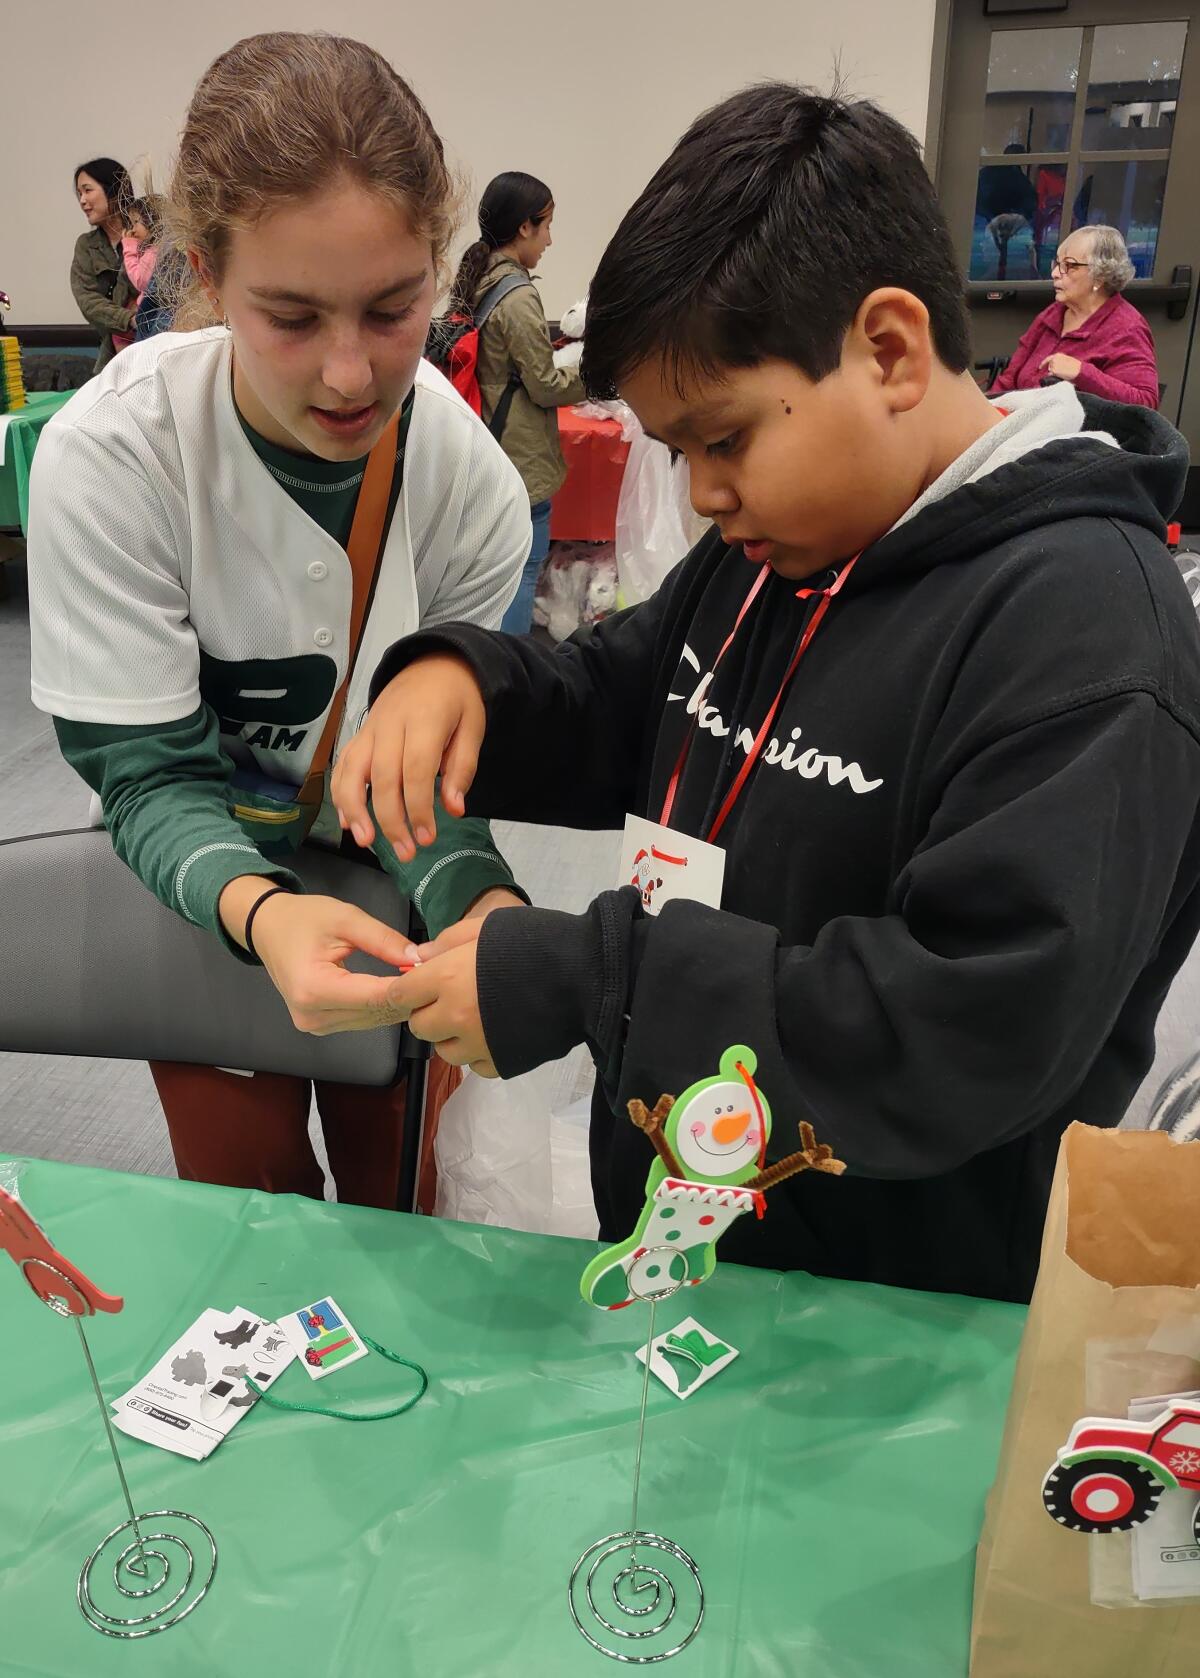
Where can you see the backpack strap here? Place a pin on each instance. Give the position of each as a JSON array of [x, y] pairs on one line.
[[489, 300], [496, 294], [500, 412]]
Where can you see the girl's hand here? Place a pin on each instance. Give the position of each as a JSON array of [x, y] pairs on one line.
[[428, 720], [441, 1001], [1062, 366], [303, 941]]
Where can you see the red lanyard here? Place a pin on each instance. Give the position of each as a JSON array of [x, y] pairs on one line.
[[752, 756], [760, 1200]]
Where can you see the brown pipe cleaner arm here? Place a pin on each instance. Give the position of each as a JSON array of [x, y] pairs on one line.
[[813, 1156], [651, 1121]]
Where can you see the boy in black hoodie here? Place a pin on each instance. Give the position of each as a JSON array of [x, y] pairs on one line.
[[965, 864]]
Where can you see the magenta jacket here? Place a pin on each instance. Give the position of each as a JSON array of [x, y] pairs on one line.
[[1115, 346]]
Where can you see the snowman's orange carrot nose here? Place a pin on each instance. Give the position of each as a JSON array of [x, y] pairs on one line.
[[730, 1127]]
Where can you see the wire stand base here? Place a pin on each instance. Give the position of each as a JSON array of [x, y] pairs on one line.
[[141, 1572], [644, 1594], [660, 1604]]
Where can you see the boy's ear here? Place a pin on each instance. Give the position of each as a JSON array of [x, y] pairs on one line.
[[890, 333]]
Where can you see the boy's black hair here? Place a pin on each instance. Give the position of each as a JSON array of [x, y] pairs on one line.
[[775, 215]]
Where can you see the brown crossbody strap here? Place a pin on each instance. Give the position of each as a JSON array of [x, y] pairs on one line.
[[365, 550]]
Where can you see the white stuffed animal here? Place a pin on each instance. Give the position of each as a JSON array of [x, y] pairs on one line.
[[578, 585], [571, 325], [601, 596]]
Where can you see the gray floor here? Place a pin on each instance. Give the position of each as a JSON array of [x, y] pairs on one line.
[[102, 1112]]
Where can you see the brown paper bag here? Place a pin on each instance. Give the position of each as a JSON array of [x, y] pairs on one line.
[[1115, 1315]]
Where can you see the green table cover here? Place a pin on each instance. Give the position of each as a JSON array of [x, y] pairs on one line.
[[830, 1482], [20, 440]]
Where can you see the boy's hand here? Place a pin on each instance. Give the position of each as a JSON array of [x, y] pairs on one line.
[[496, 897], [441, 1000], [302, 942], [428, 720]]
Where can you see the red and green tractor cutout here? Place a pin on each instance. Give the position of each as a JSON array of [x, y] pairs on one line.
[[1110, 1475]]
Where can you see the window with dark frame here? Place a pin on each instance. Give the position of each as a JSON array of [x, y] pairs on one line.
[[1077, 130]]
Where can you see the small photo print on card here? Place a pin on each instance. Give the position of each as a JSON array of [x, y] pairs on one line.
[[665, 865], [322, 1337]]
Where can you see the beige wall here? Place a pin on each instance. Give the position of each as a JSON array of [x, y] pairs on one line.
[[588, 97]]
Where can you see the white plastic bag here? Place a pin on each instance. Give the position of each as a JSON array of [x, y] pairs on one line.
[[493, 1151], [656, 525], [574, 1209], [614, 410], [515, 1153]]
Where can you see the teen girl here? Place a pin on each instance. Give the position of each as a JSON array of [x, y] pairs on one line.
[[282, 495]]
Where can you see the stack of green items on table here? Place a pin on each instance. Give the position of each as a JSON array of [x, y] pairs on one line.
[[12, 385]]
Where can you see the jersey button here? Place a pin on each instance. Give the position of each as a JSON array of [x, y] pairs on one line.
[[318, 570], [323, 637]]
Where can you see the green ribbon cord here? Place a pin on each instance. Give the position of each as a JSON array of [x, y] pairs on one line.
[[349, 1415]]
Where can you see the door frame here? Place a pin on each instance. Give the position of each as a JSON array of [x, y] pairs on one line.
[[935, 112]]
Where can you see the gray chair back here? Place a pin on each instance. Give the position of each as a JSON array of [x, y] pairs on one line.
[[92, 964]]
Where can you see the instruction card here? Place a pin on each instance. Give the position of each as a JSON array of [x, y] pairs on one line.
[[196, 1392]]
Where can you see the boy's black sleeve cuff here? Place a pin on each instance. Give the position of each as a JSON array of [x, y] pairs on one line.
[[483, 649], [549, 981]]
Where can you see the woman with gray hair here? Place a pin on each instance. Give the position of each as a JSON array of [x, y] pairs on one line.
[[1089, 336]]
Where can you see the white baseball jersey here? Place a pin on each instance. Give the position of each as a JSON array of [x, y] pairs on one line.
[[164, 558]]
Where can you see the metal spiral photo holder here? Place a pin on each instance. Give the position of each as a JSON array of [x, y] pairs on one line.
[[639, 1611], [142, 1573]]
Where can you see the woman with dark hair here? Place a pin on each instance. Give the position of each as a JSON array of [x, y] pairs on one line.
[[99, 283], [516, 360]]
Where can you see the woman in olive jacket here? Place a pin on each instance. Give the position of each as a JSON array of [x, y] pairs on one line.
[[516, 368], [99, 283]]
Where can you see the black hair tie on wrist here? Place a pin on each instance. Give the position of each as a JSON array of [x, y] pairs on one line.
[[274, 892]]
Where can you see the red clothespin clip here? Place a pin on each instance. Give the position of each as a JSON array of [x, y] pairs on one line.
[[45, 1268]]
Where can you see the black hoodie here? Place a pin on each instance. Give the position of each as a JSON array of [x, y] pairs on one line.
[[953, 903]]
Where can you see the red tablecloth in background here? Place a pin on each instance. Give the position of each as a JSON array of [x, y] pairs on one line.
[[585, 508]]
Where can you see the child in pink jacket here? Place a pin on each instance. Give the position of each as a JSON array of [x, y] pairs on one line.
[[139, 253]]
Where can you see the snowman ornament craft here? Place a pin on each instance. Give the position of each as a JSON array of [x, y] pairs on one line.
[[710, 1169]]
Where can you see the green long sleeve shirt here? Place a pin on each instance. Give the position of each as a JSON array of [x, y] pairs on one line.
[[184, 820]]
